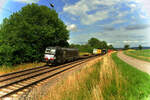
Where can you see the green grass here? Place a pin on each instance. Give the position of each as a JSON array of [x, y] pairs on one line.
[[139, 54], [137, 83]]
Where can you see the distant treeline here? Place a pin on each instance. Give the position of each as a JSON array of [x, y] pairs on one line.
[[92, 43]]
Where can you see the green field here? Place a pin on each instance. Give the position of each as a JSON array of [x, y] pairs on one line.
[[137, 85], [139, 54]]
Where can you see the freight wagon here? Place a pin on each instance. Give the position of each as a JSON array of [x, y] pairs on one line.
[[97, 51]]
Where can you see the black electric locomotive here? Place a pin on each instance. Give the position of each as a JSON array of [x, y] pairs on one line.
[[58, 55], [104, 51]]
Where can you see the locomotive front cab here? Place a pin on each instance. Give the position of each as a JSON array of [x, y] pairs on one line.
[[50, 55], [104, 51]]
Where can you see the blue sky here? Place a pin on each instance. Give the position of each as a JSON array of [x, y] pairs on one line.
[[118, 22]]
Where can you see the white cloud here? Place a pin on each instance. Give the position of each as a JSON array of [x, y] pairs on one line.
[[132, 37], [98, 16], [2, 2], [27, 1], [119, 21], [73, 18], [69, 41], [90, 11], [122, 14], [144, 5], [129, 41], [82, 7], [143, 16], [110, 43], [72, 27], [133, 5]]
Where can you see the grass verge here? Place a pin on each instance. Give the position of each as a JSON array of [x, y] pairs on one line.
[[137, 85], [139, 54], [8, 69]]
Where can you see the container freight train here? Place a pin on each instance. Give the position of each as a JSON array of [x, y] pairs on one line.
[[58, 55], [99, 51]]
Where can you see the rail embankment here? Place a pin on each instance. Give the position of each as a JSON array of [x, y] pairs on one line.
[[108, 79], [8, 69]]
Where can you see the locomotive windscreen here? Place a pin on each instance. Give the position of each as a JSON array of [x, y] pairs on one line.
[[50, 51]]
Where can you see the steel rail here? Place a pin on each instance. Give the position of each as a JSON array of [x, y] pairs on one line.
[[38, 74], [27, 72], [37, 81]]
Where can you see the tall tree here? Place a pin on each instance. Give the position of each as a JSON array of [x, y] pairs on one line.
[[140, 47], [126, 47], [94, 42], [103, 45], [28, 32], [110, 47]]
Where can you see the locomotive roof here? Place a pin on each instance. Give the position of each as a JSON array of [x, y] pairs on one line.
[[62, 48]]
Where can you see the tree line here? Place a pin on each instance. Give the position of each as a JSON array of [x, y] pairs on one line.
[[92, 43], [127, 46]]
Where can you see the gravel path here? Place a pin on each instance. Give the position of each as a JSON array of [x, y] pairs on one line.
[[139, 64]]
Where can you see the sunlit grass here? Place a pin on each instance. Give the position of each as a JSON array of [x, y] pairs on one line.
[[137, 82], [84, 53], [7, 69], [139, 54]]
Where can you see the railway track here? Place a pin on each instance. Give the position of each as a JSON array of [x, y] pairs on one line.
[[17, 81]]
